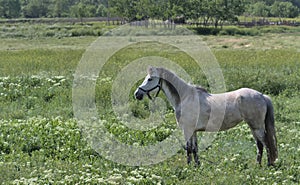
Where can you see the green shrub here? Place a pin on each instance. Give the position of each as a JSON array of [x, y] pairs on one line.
[[31, 31], [205, 30], [236, 30]]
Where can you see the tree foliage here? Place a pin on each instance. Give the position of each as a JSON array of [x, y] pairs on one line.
[[204, 11], [10, 8], [260, 9], [284, 9], [274, 8]]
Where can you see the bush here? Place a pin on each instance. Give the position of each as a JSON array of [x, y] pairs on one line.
[[57, 30], [235, 30], [205, 30]]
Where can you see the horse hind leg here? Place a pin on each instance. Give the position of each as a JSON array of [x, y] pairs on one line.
[[260, 149], [259, 135]]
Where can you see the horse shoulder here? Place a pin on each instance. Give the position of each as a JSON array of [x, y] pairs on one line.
[[189, 107]]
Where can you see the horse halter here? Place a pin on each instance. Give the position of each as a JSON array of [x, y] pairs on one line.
[[148, 91]]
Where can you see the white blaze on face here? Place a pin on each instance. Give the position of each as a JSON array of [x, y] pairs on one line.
[[149, 83], [144, 84]]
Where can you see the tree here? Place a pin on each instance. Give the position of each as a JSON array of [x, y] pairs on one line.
[[122, 8], [60, 8], [82, 10], [10, 8], [260, 9], [206, 11], [36, 8], [225, 10], [284, 9], [164, 8], [142, 9], [192, 9], [295, 3], [178, 9], [77, 10], [101, 11], [130, 9]]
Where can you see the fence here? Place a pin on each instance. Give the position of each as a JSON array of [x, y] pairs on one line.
[[113, 20]]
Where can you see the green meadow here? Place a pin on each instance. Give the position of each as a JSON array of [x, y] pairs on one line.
[[42, 143]]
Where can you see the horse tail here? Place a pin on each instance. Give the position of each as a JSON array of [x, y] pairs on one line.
[[270, 136]]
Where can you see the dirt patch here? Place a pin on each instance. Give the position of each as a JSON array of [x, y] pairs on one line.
[[233, 40], [235, 43]]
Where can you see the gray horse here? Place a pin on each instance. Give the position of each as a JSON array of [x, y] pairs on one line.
[[197, 110]]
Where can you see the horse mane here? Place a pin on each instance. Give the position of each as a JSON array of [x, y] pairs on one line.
[[170, 76], [201, 89]]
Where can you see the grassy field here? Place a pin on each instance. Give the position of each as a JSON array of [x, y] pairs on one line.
[[41, 142]]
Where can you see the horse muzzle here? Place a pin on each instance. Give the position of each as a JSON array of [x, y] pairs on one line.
[[139, 95]]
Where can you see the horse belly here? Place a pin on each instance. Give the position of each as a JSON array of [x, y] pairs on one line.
[[224, 112], [231, 118]]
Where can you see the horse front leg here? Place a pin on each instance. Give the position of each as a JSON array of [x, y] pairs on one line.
[[189, 149], [195, 148]]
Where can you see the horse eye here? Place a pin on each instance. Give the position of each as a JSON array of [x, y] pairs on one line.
[[150, 79]]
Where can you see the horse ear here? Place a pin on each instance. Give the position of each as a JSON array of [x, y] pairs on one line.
[[150, 70]]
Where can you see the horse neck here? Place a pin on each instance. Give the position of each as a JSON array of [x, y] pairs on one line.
[[171, 93], [173, 87]]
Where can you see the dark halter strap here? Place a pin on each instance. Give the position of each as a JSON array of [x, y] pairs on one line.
[[148, 91]]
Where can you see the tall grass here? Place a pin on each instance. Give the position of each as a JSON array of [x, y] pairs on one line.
[[38, 61], [37, 82], [58, 30], [273, 72]]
